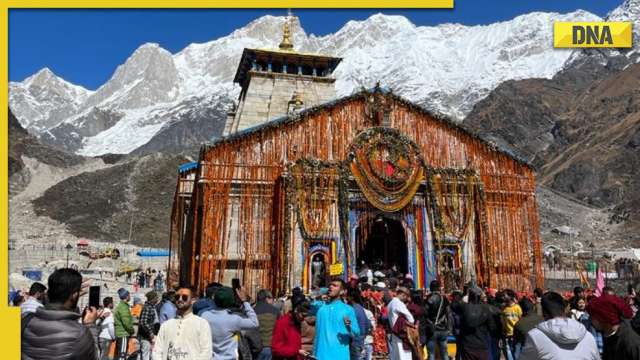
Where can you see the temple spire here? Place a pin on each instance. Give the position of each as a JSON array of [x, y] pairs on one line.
[[286, 43]]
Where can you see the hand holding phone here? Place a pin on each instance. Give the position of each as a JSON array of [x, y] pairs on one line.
[[94, 296]]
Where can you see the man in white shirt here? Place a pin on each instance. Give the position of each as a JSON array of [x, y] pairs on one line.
[[186, 337], [397, 307], [107, 328], [37, 293]]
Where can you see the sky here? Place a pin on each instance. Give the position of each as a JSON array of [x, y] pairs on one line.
[[85, 46]]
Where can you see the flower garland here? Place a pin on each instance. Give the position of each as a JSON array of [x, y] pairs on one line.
[[387, 167], [315, 186]]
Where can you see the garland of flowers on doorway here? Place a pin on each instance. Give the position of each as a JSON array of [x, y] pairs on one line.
[[315, 185], [445, 220], [450, 187], [387, 167]]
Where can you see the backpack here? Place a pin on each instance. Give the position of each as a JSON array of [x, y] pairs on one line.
[[442, 320]]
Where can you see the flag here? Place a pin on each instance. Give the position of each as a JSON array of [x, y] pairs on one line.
[[584, 280], [599, 281]]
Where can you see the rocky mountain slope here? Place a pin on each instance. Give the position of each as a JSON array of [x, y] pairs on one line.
[[582, 130], [56, 197], [447, 68], [135, 195]]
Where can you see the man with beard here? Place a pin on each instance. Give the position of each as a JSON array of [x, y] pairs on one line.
[[54, 331], [186, 337]]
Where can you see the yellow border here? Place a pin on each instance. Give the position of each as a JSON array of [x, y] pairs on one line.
[[10, 317], [240, 4]]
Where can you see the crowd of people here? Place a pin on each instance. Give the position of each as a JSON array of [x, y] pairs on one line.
[[359, 319]]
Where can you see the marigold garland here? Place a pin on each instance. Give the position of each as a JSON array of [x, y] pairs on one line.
[[387, 167]]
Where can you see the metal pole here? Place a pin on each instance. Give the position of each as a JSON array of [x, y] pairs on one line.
[[67, 258]]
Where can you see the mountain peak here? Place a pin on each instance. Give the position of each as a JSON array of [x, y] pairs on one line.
[[46, 78], [43, 75], [627, 11]]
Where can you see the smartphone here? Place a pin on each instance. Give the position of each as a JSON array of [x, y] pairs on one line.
[[235, 283], [94, 296]]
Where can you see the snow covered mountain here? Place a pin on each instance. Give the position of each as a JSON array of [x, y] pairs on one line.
[[43, 100], [447, 68]]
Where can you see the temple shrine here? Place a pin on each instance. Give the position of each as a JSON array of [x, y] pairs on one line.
[[304, 185]]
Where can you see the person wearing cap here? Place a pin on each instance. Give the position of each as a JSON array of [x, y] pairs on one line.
[[559, 337], [148, 325], [224, 324], [123, 324], [609, 315]]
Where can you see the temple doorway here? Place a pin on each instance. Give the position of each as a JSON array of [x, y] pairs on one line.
[[381, 244]]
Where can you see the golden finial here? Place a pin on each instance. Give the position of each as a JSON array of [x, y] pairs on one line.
[[297, 98], [286, 34], [295, 103]]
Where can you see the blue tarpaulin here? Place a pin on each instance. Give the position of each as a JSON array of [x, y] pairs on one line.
[[35, 275], [187, 166], [153, 252]]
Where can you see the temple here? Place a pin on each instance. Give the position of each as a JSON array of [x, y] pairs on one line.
[[316, 186]]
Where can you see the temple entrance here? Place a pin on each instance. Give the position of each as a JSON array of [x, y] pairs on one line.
[[450, 267], [319, 270], [382, 244]]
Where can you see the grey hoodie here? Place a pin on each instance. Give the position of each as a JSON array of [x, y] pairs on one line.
[[560, 339]]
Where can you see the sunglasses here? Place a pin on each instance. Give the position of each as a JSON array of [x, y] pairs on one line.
[[183, 297]]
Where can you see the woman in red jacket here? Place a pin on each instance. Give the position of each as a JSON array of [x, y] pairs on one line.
[[286, 342]]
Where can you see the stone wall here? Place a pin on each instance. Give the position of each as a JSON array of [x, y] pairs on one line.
[[268, 94]]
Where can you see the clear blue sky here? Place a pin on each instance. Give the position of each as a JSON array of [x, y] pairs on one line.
[[85, 46]]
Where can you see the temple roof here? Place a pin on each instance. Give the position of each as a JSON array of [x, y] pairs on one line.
[[362, 94], [248, 55]]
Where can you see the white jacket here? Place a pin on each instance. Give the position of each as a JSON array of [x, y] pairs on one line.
[[560, 339], [107, 326]]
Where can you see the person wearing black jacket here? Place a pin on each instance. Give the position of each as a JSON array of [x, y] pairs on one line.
[[476, 325], [55, 331], [437, 309]]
